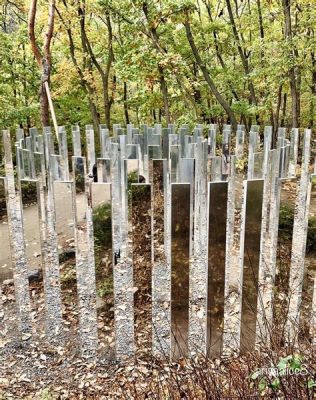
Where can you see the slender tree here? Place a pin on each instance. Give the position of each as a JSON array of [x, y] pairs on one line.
[[207, 75], [86, 66], [43, 57], [294, 70], [104, 72]]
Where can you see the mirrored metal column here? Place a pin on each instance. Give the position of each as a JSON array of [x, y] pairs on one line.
[[104, 170], [212, 142], [101, 197], [251, 257], [52, 285], [6, 267], [265, 274], [76, 141], [29, 190], [90, 148], [294, 151], [17, 243], [64, 196], [63, 151], [123, 270], [161, 284], [215, 168], [174, 162], [285, 216], [180, 256], [225, 159], [258, 159], [142, 264], [85, 263], [240, 139], [299, 243], [217, 209], [198, 260], [307, 308], [236, 200], [253, 146]]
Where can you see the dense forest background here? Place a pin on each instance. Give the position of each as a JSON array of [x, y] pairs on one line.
[[132, 61]]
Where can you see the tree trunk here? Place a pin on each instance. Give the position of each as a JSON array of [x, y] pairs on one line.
[[125, 104], [44, 106], [164, 91], [313, 90], [293, 76], [275, 118], [208, 78], [243, 57], [95, 115], [43, 95], [107, 107], [43, 57], [91, 58], [83, 82], [219, 54], [282, 123]]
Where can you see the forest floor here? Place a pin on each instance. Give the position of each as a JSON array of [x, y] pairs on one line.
[[36, 368]]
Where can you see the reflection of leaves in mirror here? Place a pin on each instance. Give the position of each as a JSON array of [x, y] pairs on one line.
[[102, 224], [106, 287], [29, 193], [80, 183], [102, 246], [131, 178], [311, 235], [286, 220], [3, 207]]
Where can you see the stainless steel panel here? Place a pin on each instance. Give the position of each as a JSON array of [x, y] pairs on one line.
[[31, 223], [142, 264], [5, 254], [251, 264], [180, 255], [102, 229], [217, 214]]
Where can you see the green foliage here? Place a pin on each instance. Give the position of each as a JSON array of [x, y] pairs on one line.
[[131, 178], [102, 225], [286, 220], [46, 394], [102, 248], [290, 365], [151, 46], [29, 193], [291, 361], [105, 288]]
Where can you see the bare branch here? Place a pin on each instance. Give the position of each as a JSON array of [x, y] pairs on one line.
[[31, 31], [50, 30]]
